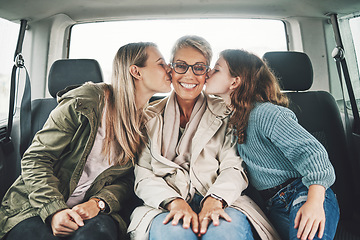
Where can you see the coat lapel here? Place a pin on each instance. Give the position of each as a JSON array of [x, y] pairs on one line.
[[207, 128], [154, 128], [209, 124]]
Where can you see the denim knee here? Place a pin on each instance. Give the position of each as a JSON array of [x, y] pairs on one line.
[[238, 228], [159, 231]]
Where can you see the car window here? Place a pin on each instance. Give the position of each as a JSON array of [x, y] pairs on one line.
[[101, 40], [355, 32], [8, 39]]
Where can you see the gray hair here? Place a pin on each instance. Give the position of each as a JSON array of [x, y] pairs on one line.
[[196, 42]]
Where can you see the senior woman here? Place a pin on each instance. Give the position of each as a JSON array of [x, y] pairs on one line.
[[189, 175]]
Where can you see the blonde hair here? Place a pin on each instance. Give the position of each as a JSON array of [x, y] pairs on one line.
[[124, 136], [196, 42], [257, 84]]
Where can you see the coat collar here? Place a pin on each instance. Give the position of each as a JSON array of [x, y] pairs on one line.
[[210, 123], [215, 104]]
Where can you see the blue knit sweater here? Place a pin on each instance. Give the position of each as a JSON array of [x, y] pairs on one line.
[[277, 148]]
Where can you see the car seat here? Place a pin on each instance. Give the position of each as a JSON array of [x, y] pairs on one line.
[[63, 73]]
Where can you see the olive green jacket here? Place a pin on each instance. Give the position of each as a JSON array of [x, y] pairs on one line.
[[53, 164]]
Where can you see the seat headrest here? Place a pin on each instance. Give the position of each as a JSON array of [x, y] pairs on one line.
[[67, 72], [293, 69]]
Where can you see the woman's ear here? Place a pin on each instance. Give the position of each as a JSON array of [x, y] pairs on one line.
[[134, 71], [235, 83]]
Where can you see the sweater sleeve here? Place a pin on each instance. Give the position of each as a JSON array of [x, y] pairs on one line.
[[304, 151]]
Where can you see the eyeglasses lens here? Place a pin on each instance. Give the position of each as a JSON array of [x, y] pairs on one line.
[[198, 69]]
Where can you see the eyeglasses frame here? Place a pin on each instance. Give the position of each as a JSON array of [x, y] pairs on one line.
[[187, 68]]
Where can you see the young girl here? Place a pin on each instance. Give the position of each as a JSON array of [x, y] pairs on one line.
[[78, 171], [289, 167]]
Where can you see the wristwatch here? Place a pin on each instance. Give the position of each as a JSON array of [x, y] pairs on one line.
[[100, 203]]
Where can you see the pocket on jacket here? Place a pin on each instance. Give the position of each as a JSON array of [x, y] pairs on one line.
[[16, 199]]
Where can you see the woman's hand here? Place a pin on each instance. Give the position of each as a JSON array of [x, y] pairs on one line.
[[65, 222], [87, 210], [311, 216], [180, 209], [212, 210]]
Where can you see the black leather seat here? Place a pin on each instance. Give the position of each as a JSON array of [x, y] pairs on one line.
[[63, 73], [318, 113]]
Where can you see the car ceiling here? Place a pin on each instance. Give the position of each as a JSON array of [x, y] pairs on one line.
[[95, 10]]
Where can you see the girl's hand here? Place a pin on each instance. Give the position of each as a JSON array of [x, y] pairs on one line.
[[212, 210], [180, 209], [65, 222], [87, 210], [311, 216]]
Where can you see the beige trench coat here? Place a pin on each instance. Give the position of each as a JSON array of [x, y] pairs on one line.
[[215, 168]]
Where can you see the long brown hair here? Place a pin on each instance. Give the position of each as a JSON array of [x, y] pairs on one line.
[[123, 134], [257, 84]]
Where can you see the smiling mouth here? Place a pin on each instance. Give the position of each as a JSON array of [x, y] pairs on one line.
[[188, 85]]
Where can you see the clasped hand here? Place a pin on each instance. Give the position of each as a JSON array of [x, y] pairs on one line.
[[67, 221], [211, 211]]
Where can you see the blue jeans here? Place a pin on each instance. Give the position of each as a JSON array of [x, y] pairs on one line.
[[284, 205], [238, 228]]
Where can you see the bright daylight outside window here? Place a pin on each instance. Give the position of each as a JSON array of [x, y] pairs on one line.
[[355, 31], [102, 40], [8, 40]]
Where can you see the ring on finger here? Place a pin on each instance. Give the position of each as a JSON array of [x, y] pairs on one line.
[[206, 218]]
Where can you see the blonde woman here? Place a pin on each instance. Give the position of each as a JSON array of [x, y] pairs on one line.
[[78, 171]]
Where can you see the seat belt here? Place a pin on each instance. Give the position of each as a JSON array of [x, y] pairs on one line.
[[339, 56], [7, 144], [25, 115], [25, 107]]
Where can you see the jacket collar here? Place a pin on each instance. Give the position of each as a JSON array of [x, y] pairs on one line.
[[88, 96]]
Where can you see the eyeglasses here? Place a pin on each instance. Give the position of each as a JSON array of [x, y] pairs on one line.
[[198, 69]]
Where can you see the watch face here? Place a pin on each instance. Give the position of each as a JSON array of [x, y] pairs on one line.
[[101, 205]]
